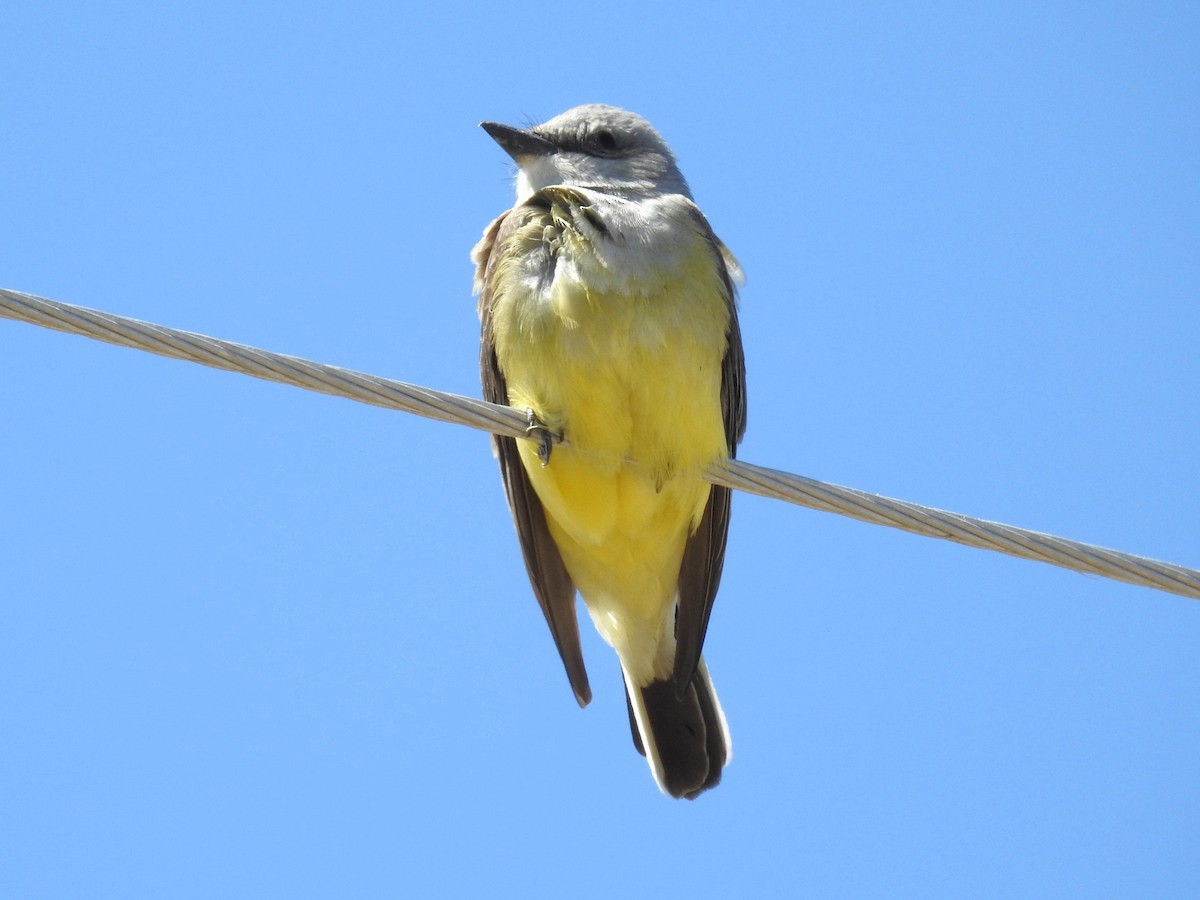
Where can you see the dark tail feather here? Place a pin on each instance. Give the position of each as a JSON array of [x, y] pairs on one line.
[[685, 739]]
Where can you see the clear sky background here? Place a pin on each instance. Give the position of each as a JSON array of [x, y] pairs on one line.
[[257, 642]]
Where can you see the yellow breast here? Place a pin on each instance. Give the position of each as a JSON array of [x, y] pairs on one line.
[[632, 379]]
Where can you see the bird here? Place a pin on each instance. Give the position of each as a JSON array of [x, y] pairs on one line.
[[608, 317]]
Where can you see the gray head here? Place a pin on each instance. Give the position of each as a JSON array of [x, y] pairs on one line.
[[594, 146]]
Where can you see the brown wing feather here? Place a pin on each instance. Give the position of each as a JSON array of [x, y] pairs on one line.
[[704, 553], [552, 584]]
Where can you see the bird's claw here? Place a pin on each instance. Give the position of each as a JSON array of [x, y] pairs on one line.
[[545, 437]]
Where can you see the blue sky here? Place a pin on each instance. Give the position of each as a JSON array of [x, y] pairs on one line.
[[259, 642]]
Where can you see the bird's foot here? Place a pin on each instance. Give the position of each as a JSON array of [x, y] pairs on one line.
[[544, 436]]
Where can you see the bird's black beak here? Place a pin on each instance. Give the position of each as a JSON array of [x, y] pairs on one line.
[[518, 143]]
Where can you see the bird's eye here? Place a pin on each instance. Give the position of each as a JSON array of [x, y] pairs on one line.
[[603, 140]]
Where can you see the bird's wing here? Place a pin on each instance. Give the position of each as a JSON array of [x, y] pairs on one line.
[[704, 553], [552, 584]]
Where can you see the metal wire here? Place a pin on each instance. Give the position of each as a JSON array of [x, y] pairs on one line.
[[495, 419]]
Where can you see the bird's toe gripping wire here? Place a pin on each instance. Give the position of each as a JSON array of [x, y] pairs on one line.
[[545, 438]]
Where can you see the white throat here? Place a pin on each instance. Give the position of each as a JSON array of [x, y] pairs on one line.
[[535, 174]]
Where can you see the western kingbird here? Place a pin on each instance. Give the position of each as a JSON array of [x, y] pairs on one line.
[[607, 306]]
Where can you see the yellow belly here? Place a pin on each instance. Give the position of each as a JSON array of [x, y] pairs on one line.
[[634, 385]]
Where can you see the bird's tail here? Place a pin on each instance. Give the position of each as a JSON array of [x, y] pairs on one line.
[[685, 740]]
